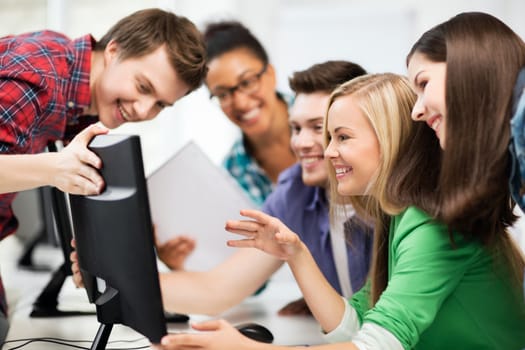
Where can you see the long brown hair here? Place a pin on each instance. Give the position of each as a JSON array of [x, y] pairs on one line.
[[483, 57]]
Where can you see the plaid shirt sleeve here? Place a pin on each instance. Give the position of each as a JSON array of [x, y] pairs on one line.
[[21, 102], [32, 71]]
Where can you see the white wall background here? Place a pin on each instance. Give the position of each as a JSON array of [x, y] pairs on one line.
[[297, 33]]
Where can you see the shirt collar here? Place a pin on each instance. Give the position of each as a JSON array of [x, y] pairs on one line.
[[318, 198]]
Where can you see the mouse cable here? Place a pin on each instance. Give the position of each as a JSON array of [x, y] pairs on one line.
[[67, 342]]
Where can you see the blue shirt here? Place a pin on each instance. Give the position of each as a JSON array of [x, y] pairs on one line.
[[304, 209]]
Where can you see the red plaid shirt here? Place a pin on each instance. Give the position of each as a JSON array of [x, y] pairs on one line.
[[44, 88]]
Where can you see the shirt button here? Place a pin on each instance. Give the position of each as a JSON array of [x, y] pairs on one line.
[[71, 104]]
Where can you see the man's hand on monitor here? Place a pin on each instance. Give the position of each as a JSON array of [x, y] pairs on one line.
[[77, 277], [75, 166], [296, 307], [174, 252]]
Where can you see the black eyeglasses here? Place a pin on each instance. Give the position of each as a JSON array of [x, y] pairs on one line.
[[249, 85]]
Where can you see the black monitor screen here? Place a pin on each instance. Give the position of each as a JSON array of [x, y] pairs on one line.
[[114, 237]]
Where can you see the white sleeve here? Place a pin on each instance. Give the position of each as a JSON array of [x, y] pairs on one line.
[[369, 337], [372, 337], [346, 329]]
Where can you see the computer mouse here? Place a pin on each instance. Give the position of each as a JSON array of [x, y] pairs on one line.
[[256, 332]]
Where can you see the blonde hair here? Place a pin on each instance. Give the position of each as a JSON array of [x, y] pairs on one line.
[[386, 100]]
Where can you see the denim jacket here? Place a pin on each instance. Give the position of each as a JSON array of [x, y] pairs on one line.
[[517, 142]]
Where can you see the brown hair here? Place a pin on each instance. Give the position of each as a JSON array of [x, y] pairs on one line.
[[483, 57], [146, 30], [386, 100], [324, 77]]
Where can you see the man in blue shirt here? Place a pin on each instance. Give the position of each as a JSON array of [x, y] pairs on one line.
[[299, 200]]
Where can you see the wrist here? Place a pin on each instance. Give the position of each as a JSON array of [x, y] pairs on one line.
[[46, 166], [301, 254]]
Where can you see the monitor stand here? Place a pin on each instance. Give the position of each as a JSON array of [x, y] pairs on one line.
[[101, 339], [107, 303], [47, 302]]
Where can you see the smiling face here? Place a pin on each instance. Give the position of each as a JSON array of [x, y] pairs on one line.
[[306, 123], [134, 89], [252, 112], [353, 149], [428, 81]]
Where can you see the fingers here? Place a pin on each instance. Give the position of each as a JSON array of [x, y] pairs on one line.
[[190, 340], [75, 269], [87, 181], [77, 280], [73, 257], [77, 171], [88, 176], [88, 157], [285, 237], [181, 250], [256, 215], [80, 185], [185, 246], [242, 227], [215, 334], [83, 138], [211, 325], [260, 221], [182, 341], [178, 245], [175, 252], [178, 241], [91, 131], [252, 236], [242, 243]]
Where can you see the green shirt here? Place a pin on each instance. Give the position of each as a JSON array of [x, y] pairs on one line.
[[440, 297]]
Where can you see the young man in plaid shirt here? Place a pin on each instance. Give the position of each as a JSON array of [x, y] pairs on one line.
[[52, 87]]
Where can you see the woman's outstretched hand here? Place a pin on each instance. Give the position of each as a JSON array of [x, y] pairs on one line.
[[266, 233]]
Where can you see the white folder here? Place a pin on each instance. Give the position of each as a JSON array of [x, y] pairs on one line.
[[191, 195]]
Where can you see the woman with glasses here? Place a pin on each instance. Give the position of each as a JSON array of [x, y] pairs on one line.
[[242, 82]]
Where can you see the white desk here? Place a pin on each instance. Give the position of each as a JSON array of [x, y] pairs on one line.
[[22, 288]]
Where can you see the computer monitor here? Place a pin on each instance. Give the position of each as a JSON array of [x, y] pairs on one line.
[[114, 236]]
